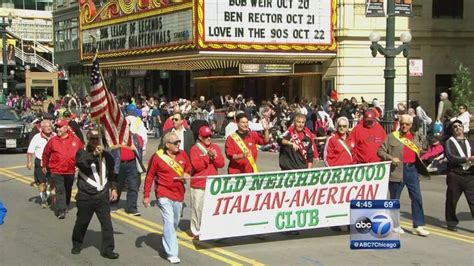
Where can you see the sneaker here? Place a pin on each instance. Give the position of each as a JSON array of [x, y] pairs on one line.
[[174, 260], [61, 216], [44, 204], [135, 213], [432, 169], [452, 228], [420, 231], [76, 251], [398, 230], [113, 209]]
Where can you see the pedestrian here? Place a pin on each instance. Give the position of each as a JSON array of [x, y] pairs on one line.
[[137, 126], [36, 148], [168, 169], [337, 151], [403, 150], [464, 116], [366, 138], [128, 168], [206, 158], [96, 178], [443, 105], [59, 157], [241, 146], [184, 134], [460, 178], [73, 125]]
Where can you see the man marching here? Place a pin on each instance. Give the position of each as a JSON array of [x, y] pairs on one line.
[[59, 157], [337, 151], [366, 138], [241, 146], [36, 147], [297, 146], [206, 158], [401, 148], [96, 178], [167, 169]]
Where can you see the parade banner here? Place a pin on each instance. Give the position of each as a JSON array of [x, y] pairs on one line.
[[249, 204]]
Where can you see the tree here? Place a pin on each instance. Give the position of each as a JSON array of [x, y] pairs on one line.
[[462, 90]]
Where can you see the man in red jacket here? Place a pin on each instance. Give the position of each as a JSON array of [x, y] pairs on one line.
[[366, 138], [59, 156], [241, 146], [167, 169], [206, 158], [337, 151]]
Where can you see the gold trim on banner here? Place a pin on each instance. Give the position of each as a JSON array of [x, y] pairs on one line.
[[235, 46], [141, 52]]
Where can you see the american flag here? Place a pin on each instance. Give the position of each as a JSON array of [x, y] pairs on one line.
[[105, 108]]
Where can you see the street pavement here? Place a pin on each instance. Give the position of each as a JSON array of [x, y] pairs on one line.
[[34, 236]]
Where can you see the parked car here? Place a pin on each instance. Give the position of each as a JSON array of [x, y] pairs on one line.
[[13, 130]]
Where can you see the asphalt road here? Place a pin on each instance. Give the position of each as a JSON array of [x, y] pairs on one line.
[[34, 236]]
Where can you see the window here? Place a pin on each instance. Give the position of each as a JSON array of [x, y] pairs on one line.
[[448, 9]]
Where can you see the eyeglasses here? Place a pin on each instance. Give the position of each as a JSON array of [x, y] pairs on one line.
[[175, 142], [175, 119], [457, 126], [342, 126]]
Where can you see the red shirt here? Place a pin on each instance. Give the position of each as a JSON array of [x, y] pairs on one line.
[[366, 142], [335, 154], [203, 166], [60, 154], [231, 148], [169, 123], [164, 177], [129, 154], [409, 156]]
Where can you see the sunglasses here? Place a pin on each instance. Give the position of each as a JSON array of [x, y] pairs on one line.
[[457, 126], [405, 124], [342, 126], [175, 142]]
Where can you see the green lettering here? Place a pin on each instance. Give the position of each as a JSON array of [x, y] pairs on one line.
[[302, 179], [369, 174], [240, 183], [359, 174], [215, 186], [325, 177], [348, 172], [271, 181], [313, 217], [301, 218], [257, 182], [336, 176], [279, 224], [381, 169], [290, 180], [227, 188], [290, 223], [314, 179]]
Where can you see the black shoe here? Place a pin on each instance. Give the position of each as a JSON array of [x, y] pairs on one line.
[[76, 251], [61, 216], [452, 228], [110, 255]]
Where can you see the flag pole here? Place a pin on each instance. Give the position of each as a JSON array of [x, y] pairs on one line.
[[99, 126]]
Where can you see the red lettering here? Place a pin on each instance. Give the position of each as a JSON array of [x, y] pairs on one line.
[[348, 195], [361, 193], [257, 201], [278, 200], [371, 194], [321, 196], [295, 199], [332, 192], [341, 195], [307, 199], [227, 200], [237, 203], [266, 202], [246, 202], [216, 211]]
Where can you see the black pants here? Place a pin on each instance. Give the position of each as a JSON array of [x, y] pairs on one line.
[[63, 185], [85, 210], [457, 184]]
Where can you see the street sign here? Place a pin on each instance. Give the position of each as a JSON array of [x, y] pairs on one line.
[[415, 67], [374, 8]]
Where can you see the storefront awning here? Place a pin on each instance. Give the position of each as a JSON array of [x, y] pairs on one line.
[[209, 60]]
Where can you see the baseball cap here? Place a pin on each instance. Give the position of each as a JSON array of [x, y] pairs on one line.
[[369, 115], [205, 132], [62, 122]]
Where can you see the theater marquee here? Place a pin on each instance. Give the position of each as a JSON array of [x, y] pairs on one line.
[[285, 25]]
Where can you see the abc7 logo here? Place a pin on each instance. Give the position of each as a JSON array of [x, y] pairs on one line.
[[379, 225]]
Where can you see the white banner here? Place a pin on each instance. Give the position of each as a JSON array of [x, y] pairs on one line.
[[268, 21], [249, 204]]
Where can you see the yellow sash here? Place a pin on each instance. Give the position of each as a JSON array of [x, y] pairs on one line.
[[412, 146], [245, 149], [171, 162]]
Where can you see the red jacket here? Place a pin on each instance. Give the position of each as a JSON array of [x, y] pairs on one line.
[[366, 142], [59, 154], [231, 148], [203, 166], [335, 154], [164, 177]]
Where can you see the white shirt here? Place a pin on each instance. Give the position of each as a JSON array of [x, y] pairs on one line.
[[180, 137], [465, 119], [137, 127], [37, 144]]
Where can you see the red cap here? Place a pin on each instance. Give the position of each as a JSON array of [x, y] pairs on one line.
[[369, 115], [62, 122], [205, 132]]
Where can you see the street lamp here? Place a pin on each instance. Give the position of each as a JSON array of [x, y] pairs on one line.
[[390, 52], [6, 22]]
